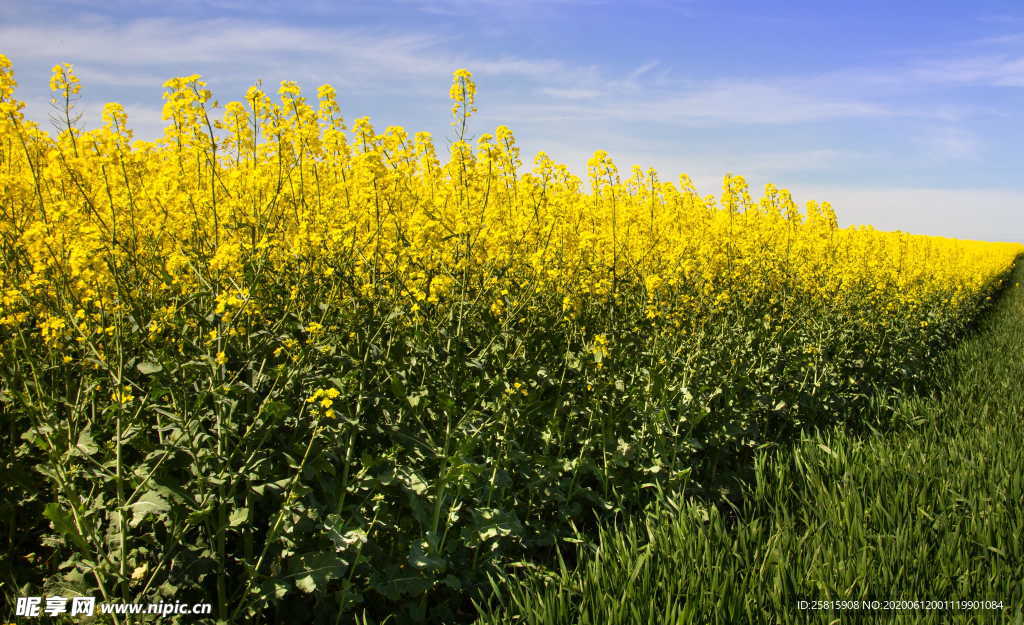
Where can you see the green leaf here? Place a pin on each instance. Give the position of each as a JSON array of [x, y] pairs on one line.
[[489, 524], [273, 487], [64, 525], [151, 502], [414, 481], [420, 557], [397, 388], [276, 409], [317, 569], [147, 367], [238, 516], [343, 541], [86, 445], [280, 589], [395, 588], [199, 516]]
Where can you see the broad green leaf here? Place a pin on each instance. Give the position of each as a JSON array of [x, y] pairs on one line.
[[238, 516], [147, 367], [151, 502], [86, 445], [64, 525]]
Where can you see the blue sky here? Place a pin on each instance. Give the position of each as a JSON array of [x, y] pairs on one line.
[[907, 118]]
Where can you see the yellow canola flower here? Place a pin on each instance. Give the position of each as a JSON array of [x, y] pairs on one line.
[[285, 191]]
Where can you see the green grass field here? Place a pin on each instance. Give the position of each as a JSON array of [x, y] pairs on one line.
[[929, 508]]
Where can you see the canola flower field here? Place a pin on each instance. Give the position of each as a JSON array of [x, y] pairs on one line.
[[310, 372], [840, 527]]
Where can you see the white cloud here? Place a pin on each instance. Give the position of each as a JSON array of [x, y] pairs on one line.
[[643, 69], [761, 103], [154, 47], [464, 7], [161, 42], [950, 143], [148, 51], [999, 40], [571, 94], [1000, 71], [716, 104], [537, 69]]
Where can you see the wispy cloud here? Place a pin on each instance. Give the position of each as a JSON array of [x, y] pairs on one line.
[[995, 70], [571, 94], [472, 7], [1001, 40], [160, 47], [753, 102], [1001, 18], [951, 143], [166, 41], [714, 104], [643, 69]]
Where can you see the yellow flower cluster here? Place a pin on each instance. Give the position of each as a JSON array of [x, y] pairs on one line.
[[93, 220], [323, 399]]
